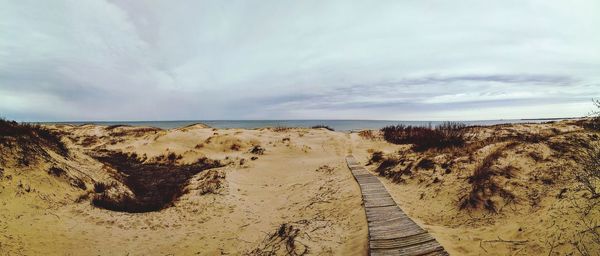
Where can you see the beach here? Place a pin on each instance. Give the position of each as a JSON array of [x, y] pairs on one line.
[[285, 190]]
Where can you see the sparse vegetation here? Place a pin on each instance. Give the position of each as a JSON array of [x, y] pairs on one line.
[[325, 169], [594, 123], [483, 185], [588, 175], [56, 171], [447, 134], [281, 129], [100, 187], [367, 134], [257, 150], [322, 126], [211, 182], [283, 242], [170, 158], [426, 164], [386, 165], [235, 147], [155, 186], [376, 157], [25, 134]]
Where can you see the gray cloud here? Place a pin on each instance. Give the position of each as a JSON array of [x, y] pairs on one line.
[[131, 60]]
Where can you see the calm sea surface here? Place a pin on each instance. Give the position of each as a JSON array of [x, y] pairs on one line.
[[338, 125]]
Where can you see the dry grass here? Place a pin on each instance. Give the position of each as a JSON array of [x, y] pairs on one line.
[[445, 135], [282, 129], [367, 134], [30, 135], [282, 242], [376, 157], [594, 121], [257, 150], [155, 186], [211, 182], [588, 175], [483, 185], [56, 171]]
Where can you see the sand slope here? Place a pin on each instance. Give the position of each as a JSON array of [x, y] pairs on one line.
[[298, 190]]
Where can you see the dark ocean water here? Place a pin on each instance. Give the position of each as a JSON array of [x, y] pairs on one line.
[[338, 125]]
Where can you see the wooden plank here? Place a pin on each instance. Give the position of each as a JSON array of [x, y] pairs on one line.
[[400, 241], [391, 232], [412, 250]]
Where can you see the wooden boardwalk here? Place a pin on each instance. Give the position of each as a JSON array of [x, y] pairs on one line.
[[391, 232]]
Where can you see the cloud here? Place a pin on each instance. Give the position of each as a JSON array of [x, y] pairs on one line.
[[130, 60]]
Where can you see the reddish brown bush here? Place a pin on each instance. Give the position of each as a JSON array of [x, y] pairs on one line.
[[448, 134]]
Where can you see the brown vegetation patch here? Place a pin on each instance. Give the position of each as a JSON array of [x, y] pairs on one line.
[[155, 186], [367, 134], [448, 134], [282, 242], [56, 171], [322, 126], [30, 137], [325, 169], [483, 185], [426, 164], [257, 150], [211, 182], [376, 157], [282, 129]]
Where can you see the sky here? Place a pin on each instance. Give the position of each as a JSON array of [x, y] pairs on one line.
[[391, 60]]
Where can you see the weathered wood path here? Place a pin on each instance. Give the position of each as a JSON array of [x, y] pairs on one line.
[[391, 232]]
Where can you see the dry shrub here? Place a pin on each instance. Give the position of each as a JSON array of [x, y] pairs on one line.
[[170, 158], [387, 165], [559, 147], [211, 182], [56, 171], [483, 185], [78, 183], [588, 175], [130, 131], [426, 164], [88, 141], [282, 242], [83, 197], [594, 121], [235, 147], [536, 156], [447, 134], [325, 169], [100, 187], [530, 137], [376, 157], [30, 136], [112, 127], [367, 134], [322, 126], [281, 129], [155, 186], [257, 150]]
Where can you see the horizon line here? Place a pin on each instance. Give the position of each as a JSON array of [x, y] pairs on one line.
[[216, 120]]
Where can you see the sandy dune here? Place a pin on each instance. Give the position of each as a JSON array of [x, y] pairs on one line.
[[295, 197]]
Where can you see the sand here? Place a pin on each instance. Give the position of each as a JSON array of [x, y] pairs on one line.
[[300, 184]]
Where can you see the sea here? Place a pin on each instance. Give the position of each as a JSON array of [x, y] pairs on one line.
[[338, 125]]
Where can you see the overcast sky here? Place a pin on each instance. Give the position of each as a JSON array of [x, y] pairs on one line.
[[397, 60]]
